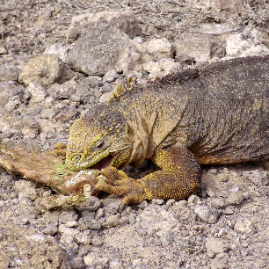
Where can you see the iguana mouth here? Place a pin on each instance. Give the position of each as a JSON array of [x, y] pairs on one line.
[[105, 162]]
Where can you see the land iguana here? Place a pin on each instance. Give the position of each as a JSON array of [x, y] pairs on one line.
[[216, 114]]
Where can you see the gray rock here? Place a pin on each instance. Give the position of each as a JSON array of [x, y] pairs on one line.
[[102, 48], [229, 210], [85, 92], [223, 177], [125, 21], [258, 177], [113, 205], [206, 213], [77, 263], [13, 103], [143, 205], [83, 250], [50, 229], [92, 203], [169, 65], [93, 81], [218, 202], [48, 113], [67, 216], [97, 240], [83, 237], [152, 67], [30, 127], [88, 222], [115, 264], [64, 229], [9, 72], [47, 126], [222, 7], [153, 219], [105, 97], [219, 264], [60, 92], [68, 114], [106, 88], [25, 189], [68, 242], [46, 70]]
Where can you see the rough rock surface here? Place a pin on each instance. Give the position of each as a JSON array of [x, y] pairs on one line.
[[27, 248], [45, 69], [125, 21], [102, 47], [224, 226]]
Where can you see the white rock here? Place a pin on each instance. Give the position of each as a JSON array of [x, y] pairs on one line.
[[37, 92], [69, 243], [93, 259], [243, 226], [111, 221], [245, 44], [235, 198], [152, 67], [168, 64], [58, 49], [26, 189], [110, 76], [83, 237], [196, 46], [207, 214], [129, 58], [159, 48], [105, 97], [214, 246], [3, 50], [193, 199]]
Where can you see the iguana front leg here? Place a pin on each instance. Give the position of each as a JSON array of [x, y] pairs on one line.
[[178, 178]]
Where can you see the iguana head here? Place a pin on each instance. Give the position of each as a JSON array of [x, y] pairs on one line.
[[99, 139]]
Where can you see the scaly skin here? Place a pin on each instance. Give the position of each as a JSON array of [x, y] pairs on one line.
[[217, 114]]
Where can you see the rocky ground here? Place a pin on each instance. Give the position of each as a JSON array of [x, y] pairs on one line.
[[58, 57]]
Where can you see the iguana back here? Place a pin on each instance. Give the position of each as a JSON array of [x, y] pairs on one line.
[[219, 112]]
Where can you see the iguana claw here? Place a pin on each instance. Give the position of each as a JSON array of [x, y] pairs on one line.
[[118, 183]]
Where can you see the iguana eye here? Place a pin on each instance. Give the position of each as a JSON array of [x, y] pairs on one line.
[[76, 158], [100, 145]]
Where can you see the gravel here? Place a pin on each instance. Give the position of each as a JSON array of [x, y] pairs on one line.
[[46, 82]]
